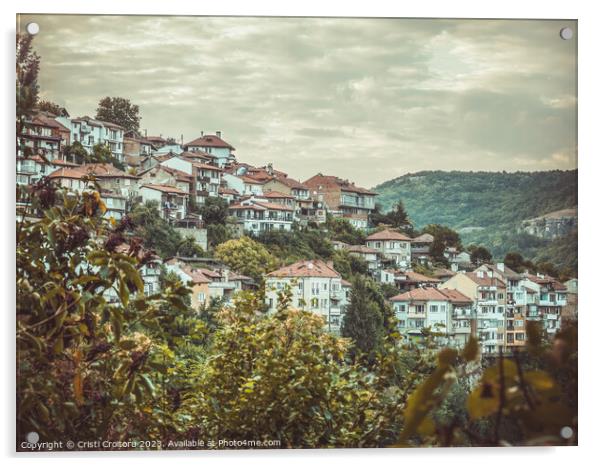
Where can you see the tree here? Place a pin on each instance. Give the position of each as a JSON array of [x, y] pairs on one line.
[[364, 321], [341, 229], [547, 268], [449, 237], [91, 346], [480, 255], [76, 153], [53, 108], [214, 211], [246, 256], [28, 66], [188, 247], [515, 261], [397, 217], [119, 111], [217, 234], [156, 233], [282, 377]]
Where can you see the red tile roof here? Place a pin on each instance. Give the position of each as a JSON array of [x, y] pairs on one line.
[[485, 281], [391, 235], [432, 294], [277, 195], [360, 248], [418, 277], [329, 183], [165, 188], [306, 268], [259, 205], [209, 140], [98, 170]]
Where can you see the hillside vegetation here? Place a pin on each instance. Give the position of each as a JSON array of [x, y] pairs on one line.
[[487, 207]]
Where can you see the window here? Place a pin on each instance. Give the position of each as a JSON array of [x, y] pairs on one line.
[[500, 296], [520, 336], [90, 140], [314, 303], [402, 323], [434, 308], [401, 308], [325, 286], [500, 309], [202, 297]]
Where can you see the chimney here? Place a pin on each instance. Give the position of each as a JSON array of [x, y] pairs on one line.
[[218, 134], [202, 134], [181, 139], [454, 267], [500, 266], [145, 133], [270, 168]]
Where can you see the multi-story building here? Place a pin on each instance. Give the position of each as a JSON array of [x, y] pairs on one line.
[[165, 175], [172, 201], [254, 215], [421, 248], [42, 136], [489, 296], [315, 286], [393, 246], [550, 298], [89, 132], [343, 198], [214, 145], [448, 313], [206, 179]]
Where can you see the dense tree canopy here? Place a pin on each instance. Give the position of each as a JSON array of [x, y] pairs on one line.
[[246, 256], [119, 111]]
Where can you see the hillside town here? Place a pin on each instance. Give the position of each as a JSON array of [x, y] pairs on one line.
[[490, 301]]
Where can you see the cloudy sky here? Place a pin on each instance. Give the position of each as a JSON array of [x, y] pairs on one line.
[[366, 99]]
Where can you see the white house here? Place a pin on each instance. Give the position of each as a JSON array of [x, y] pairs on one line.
[[172, 201], [213, 145], [315, 286], [255, 216], [447, 312], [89, 132], [393, 246]]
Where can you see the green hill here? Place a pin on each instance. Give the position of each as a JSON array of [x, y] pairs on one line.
[[487, 207]]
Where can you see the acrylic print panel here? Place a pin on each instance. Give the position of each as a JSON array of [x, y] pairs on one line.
[[263, 233]]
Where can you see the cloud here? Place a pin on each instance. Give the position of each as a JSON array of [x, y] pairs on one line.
[[367, 99]]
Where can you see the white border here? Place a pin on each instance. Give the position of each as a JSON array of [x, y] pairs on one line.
[[590, 77]]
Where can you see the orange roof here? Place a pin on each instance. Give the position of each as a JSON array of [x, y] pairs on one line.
[[424, 238], [277, 195], [206, 166], [485, 281], [98, 170], [418, 277], [228, 191], [432, 294], [387, 235], [209, 140], [306, 268], [329, 183], [361, 249], [258, 205], [165, 188]]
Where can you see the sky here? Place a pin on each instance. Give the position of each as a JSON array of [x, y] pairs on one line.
[[364, 99]]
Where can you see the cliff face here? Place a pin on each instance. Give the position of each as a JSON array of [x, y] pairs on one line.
[[552, 225]]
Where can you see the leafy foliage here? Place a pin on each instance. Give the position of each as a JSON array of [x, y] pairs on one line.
[[27, 88], [51, 107], [119, 111], [155, 232], [246, 256]]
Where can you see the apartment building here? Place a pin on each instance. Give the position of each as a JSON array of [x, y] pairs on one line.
[[89, 132], [213, 144], [489, 296], [255, 215], [43, 135], [206, 179], [343, 198], [172, 201], [315, 286], [446, 312]]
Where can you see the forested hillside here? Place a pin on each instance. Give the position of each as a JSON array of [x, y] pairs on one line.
[[487, 208]]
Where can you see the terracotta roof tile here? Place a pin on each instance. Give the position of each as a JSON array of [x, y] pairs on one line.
[[306, 268], [385, 235]]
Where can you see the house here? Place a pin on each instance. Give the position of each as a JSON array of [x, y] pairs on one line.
[[172, 201], [108, 177], [157, 141], [550, 298], [489, 296], [446, 312], [208, 284], [421, 248], [42, 135], [409, 280], [115, 204], [229, 194], [254, 215], [89, 132], [343, 198], [315, 286], [134, 144], [214, 145], [206, 179], [392, 245], [163, 174], [370, 255], [33, 168], [569, 312]]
